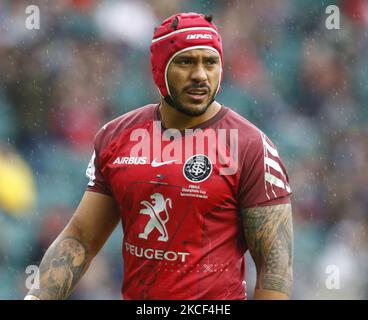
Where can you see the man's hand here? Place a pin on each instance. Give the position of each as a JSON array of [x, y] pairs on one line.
[[269, 234]]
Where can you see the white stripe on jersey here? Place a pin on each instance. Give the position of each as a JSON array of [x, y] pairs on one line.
[[273, 180], [272, 150], [272, 164], [90, 172]]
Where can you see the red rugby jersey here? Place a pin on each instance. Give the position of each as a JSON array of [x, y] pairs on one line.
[[180, 198]]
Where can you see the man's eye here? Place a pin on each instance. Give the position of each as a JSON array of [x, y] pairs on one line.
[[185, 61], [211, 62]]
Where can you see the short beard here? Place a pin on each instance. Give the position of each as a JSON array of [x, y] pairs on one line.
[[173, 102]]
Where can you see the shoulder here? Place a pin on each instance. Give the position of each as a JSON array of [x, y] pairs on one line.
[[253, 143], [131, 119], [248, 133]]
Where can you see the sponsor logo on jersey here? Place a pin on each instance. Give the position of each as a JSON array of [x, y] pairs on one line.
[[199, 36], [159, 216], [155, 254], [130, 160], [157, 210], [156, 163], [197, 168]]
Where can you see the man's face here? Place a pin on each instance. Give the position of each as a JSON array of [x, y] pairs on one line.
[[193, 77]]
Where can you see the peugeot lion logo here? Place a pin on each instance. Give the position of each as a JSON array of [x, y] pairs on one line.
[[154, 210]]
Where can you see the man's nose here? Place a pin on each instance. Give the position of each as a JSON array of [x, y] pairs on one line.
[[199, 73]]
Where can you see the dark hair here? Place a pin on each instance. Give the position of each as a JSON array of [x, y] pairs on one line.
[[175, 23], [208, 17]]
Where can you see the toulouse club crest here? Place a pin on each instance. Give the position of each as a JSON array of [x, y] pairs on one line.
[[197, 168]]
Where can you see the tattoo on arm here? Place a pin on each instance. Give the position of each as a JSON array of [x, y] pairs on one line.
[[269, 234], [61, 268]]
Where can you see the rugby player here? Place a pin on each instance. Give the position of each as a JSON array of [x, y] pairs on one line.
[[194, 185]]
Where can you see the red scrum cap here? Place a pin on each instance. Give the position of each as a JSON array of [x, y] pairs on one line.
[[179, 33]]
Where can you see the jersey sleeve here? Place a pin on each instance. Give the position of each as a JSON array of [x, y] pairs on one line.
[[97, 181], [263, 177]]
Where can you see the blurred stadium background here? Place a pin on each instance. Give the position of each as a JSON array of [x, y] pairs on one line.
[[302, 84]]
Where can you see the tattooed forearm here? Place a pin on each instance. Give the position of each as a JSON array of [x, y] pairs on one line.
[[269, 234], [61, 268]]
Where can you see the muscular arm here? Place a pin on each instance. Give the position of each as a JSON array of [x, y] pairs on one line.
[[70, 255], [269, 234]]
